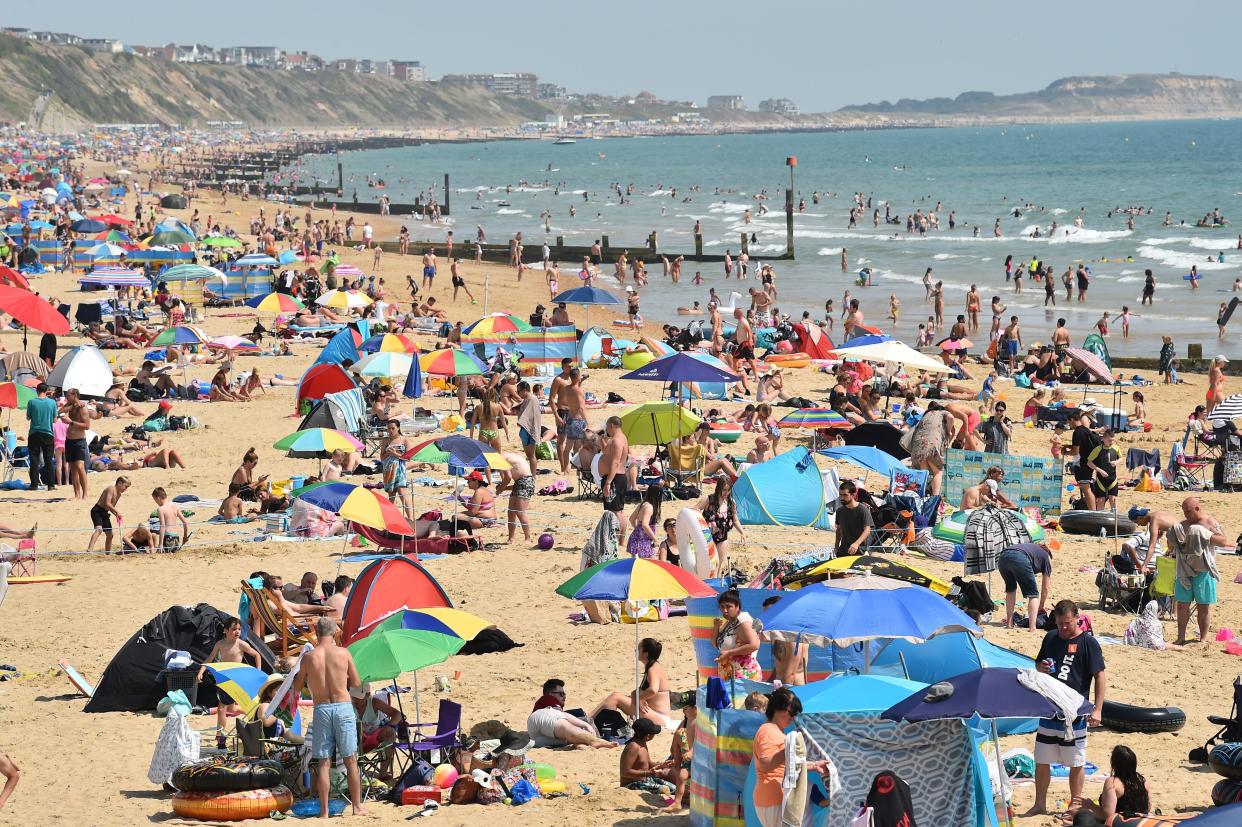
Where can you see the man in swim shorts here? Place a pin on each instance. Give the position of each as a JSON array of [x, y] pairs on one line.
[[329, 671], [1193, 542], [429, 268]]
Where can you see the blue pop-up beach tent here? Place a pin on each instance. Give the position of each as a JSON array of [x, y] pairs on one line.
[[785, 490]]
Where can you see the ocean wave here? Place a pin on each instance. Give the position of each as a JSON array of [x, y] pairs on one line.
[[879, 274], [1177, 258], [1082, 235], [945, 256], [829, 251], [1060, 211], [1127, 273], [509, 211], [1129, 279]]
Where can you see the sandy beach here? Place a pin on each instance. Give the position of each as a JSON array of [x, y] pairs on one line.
[[91, 769]]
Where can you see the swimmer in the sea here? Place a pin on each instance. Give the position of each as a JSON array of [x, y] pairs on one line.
[[690, 311]]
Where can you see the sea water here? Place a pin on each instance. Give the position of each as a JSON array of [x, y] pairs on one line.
[[1187, 168]]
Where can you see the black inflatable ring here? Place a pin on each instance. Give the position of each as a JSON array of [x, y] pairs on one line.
[[216, 775], [1090, 522], [1127, 718]]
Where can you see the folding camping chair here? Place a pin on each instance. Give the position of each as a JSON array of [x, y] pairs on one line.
[[21, 558], [8, 455], [1186, 472], [588, 488], [447, 727], [609, 352], [1230, 728]]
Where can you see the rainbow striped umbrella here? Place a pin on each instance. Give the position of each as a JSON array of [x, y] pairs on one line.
[[450, 362], [384, 364], [634, 578], [440, 620], [353, 502], [496, 323], [276, 303], [15, 395], [316, 442], [343, 299], [243, 683], [232, 343], [180, 335], [114, 237], [388, 343], [814, 419]]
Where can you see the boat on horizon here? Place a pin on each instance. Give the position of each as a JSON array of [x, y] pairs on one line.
[[561, 141]]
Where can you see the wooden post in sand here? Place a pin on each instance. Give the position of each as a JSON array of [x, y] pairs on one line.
[[745, 242], [791, 162]]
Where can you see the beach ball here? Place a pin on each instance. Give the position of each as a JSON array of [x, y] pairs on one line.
[[445, 776], [545, 541]]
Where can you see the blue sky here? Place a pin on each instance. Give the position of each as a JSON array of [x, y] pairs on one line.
[[823, 54]]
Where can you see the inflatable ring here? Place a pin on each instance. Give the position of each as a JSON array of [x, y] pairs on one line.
[[789, 360], [551, 786], [1227, 791], [216, 775], [1226, 760], [695, 545], [232, 806], [953, 527], [727, 432], [1090, 522], [1127, 718], [635, 359]]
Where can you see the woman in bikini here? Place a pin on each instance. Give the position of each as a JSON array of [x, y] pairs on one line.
[[488, 417], [481, 507], [244, 476], [654, 703]]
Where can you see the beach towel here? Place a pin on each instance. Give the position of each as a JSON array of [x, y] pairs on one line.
[[890, 802], [793, 783], [990, 530], [1062, 697]]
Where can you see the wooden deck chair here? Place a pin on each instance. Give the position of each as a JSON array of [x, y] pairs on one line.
[[288, 633], [195, 302]]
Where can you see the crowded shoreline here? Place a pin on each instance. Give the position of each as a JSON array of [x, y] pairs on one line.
[[510, 580]]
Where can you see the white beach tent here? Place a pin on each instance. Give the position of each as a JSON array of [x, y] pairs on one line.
[[85, 369]]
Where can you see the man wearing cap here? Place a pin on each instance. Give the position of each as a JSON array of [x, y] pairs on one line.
[[637, 770], [1018, 566], [1156, 523], [987, 492], [1193, 542], [552, 726]]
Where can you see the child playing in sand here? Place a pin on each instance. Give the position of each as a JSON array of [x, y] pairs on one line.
[[231, 649], [1056, 444], [637, 771], [168, 514], [103, 511], [233, 509]]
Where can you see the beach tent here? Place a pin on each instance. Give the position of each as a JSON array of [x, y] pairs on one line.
[[321, 380], [540, 346], [822, 661], [785, 490], [133, 683], [340, 411], [174, 202], [387, 586], [85, 369], [1094, 343], [812, 341], [340, 347], [1088, 367], [945, 656], [948, 780], [591, 345]]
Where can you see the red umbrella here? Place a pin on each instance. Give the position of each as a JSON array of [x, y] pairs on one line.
[[113, 218], [10, 276], [32, 310]]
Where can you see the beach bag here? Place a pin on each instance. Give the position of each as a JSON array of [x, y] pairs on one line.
[[643, 611], [174, 700], [1166, 577], [1021, 380], [522, 792]]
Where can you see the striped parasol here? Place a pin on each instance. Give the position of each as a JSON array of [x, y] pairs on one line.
[[114, 277], [346, 270], [1229, 408], [496, 323], [343, 299], [1085, 361], [276, 303], [813, 418]]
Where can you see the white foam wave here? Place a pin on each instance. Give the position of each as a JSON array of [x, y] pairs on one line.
[[1060, 211], [1129, 279], [829, 251], [1127, 273], [945, 256], [1176, 258], [508, 211], [1082, 235]]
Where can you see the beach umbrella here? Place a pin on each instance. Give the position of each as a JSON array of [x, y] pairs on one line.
[[955, 344], [1229, 815], [31, 310], [438, 619], [880, 435], [114, 219], [450, 362], [855, 693], [172, 236], [864, 456], [84, 369], [385, 654], [179, 335], [256, 260], [13, 278], [680, 367], [864, 340], [413, 388], [1088, 362], [1229, 408], [587, 296], [634, 578], [114, 237], [287, 257], [894, 351], [657, 423], [813, 418], [383, 364], [88, 225], [458, 452], [105, 252], [317, 443], [353, 502], [878, 565], [191, 272], [987, 693], [496, 323], [242, 683], [864, 610], [388, 343], [15, 395], [276, 303], [114, 277], [219, 241], [232, 343], [343, 299]]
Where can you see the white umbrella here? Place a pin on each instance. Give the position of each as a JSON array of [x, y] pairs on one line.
[[894, 351], [84, 369]]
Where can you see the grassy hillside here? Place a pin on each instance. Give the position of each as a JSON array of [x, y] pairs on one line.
[[103, 88]]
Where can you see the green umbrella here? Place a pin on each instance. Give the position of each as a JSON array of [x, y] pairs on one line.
[[657, 423], [386, 653], [219, 241], [172, 236]]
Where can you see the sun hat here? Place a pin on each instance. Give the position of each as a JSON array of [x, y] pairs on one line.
[[512, 742], [360, 691], [274, 678]]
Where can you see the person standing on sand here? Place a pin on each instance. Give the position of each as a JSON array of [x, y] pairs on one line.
[[972, 308], [429, 268], [329, 671], [612, 467], [1216, 383], [1193, 542], [573, 398], [78, 417], [560, 410]]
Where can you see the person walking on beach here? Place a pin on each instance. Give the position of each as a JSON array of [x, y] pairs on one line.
[[429, 268], [1149, 288], [1193, 543], [329, 671], [1075, 658], [972, 308], [41, 411], [78, 416]]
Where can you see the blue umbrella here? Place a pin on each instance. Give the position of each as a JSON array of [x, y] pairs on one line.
[[88, 225], [255, 260], [413, 381], [1228, 816], [873, 459], [821, 614], [680, 367], [866, 339], [855, 693], [987, 693], [587, 296]]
